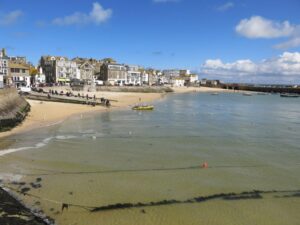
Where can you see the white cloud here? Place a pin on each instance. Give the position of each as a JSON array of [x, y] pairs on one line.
[[226, 6], [97, 16], [292, 43], [10, 18], [283, 67], [165, 1], [259, 27]]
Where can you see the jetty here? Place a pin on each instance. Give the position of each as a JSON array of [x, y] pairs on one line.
[[67, 98]]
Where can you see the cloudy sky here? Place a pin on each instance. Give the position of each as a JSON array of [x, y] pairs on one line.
[[243, 40]]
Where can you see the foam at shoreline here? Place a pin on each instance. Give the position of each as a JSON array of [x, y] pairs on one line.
[[38, 145]]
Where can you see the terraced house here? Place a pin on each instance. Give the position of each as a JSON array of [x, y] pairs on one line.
[[59, 69], [89, 69], [4, 69], [113, 74], [18, 75]]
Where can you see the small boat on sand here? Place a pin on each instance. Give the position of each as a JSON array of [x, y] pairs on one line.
[[143, 107], [287, 95]]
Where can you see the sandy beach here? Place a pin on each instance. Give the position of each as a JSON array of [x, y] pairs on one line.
[[49, 113]]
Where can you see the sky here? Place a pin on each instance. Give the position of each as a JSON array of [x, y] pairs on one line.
[[235, 41]]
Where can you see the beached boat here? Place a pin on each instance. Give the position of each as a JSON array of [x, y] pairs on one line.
[[143, 107], [247, 94], [215, 93], [287, 95]]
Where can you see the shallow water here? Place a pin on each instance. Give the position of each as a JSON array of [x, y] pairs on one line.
[[129, 157]]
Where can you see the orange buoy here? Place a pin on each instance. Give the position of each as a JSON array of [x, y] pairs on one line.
[[205, 165]]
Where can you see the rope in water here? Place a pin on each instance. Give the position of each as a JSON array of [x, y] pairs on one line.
[[55, 173]]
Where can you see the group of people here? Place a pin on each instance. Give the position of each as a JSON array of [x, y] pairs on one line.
[[104, 101]]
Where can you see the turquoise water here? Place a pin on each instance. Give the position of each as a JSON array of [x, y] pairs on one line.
[[249, 142]]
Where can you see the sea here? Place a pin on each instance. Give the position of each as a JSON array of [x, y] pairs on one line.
[[198, 158]]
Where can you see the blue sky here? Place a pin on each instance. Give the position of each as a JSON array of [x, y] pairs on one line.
[[217, 37]]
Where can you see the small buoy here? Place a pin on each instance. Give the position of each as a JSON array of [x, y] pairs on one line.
[[205, 165], [130, 133], [94, 137]]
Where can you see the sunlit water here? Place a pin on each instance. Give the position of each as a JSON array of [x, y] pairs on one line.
[[249, 142]]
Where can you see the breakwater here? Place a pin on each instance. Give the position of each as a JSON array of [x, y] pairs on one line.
[[268, 89], [13, 109], [137, 89]]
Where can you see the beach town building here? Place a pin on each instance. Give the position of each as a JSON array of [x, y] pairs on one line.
[[39, 78], [134, 76], [87, 72], [113, 74], [206, 82], [145, 77], [170, 74], [1, 81], [194, 78], [4, 67], [59, 69], [18, 59], [190, 79], [178, 81], [18, 75], [89, 68], [185, 72]]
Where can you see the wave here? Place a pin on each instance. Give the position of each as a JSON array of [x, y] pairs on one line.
[[38, 145]]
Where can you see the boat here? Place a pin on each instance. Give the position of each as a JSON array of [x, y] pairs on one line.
[[143, 107], [247, 94], [261, 93], [287, 95], [215, 93]]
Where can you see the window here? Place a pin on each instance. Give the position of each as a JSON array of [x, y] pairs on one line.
[[23, 71], [15, 70]]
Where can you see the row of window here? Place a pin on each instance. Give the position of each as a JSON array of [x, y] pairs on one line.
[[17, 70]]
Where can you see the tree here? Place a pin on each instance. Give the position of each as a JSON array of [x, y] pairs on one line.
[[109, 60], [33, 71]]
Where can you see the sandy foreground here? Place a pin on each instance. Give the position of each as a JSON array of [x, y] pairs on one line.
[[50, 113]]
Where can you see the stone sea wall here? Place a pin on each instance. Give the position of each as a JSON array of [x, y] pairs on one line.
[[13, 109]]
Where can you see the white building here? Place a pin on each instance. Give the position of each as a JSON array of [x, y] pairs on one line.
[[145, 77], [134, 76], [66, 70], [1, 81], [59, 69], [40, 78], [4, 67], [178, 81], [194, 78]]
